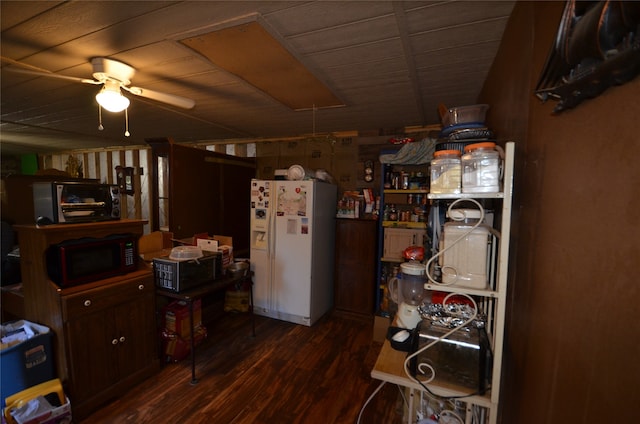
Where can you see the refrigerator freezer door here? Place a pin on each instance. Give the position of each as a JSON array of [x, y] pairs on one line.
[[261, 235]]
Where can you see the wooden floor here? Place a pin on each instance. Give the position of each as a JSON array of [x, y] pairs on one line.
[[288, 373]]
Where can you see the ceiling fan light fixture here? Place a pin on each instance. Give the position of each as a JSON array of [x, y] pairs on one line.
[[111, 98]]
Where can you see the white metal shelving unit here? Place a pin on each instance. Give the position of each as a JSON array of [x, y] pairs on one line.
[[492, 302], [495, 297]]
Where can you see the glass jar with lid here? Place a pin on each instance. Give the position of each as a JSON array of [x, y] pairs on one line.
[[445, 172], [481, 168]]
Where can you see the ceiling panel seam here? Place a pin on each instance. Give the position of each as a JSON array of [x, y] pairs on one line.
[[401, 19]]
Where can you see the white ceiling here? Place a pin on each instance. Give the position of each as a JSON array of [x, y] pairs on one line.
[[391, 64]]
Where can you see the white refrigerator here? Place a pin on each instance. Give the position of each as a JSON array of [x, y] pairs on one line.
[[292, 248]]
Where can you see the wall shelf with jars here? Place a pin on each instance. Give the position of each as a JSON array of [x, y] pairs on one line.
[[404, 209]]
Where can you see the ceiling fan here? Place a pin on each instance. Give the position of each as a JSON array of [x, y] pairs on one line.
[[113, 76]]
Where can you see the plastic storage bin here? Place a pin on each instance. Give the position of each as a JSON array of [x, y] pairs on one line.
[[27, 363], [44, 403]]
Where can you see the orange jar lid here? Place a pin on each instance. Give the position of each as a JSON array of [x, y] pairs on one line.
[[446, 152], [484, 145]]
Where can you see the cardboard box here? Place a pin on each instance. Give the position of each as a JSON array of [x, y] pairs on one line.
[[225, 245], [380, 328], [347, 145], [267, 167], [157, 244], [268, 148], [177, 320], [227, 255], [292, 148], [176, 348]]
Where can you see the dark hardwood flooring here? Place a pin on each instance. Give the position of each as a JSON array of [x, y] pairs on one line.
[[287, 374]]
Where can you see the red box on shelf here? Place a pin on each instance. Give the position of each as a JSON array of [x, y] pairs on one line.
[[177, 319], [177, 348]]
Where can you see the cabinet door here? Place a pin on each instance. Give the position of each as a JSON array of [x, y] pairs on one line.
[[110, 335], [355, 278], [398, 239], [91, 346], [135, 325]]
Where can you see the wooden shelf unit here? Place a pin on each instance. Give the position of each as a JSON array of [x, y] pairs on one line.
[[104, 331]]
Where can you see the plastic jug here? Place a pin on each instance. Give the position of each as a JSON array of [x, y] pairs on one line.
[[466, 252]]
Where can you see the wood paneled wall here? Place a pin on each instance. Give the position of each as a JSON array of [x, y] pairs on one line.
[[572, 341], [342, 156]]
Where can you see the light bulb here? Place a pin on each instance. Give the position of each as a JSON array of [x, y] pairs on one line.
[[111, 99]]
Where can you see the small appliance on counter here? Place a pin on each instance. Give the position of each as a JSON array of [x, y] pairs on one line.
[[407, 290], [187, 267], [469, 248], [461, 360], [72, 202], [82, 260]]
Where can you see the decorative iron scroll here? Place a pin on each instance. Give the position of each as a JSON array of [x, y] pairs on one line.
[[597, 46]]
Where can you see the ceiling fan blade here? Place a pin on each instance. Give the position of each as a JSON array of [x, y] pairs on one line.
[[34, 70], [52, 75], [170, 99]]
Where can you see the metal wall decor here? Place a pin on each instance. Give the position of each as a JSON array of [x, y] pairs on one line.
[[597, 46]]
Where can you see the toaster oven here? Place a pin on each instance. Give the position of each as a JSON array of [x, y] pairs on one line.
[[461, 361], [69, 202]]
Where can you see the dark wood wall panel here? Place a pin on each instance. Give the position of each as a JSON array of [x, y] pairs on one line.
[[571, 348], [210, 193]]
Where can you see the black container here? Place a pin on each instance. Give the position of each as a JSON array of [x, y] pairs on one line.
[[403, 346], [178, 276]]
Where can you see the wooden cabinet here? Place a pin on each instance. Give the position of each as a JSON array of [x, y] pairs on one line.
[[105, 334], [204, 191], [396, 240], [110, 336], [355, 266]]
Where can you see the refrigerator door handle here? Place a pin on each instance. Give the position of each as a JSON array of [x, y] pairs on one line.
[[271, 228], [271, 260]]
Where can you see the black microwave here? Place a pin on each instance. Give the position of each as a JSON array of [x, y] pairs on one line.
[[83, 260]]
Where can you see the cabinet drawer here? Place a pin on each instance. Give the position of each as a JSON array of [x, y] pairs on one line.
[[106, 296]]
